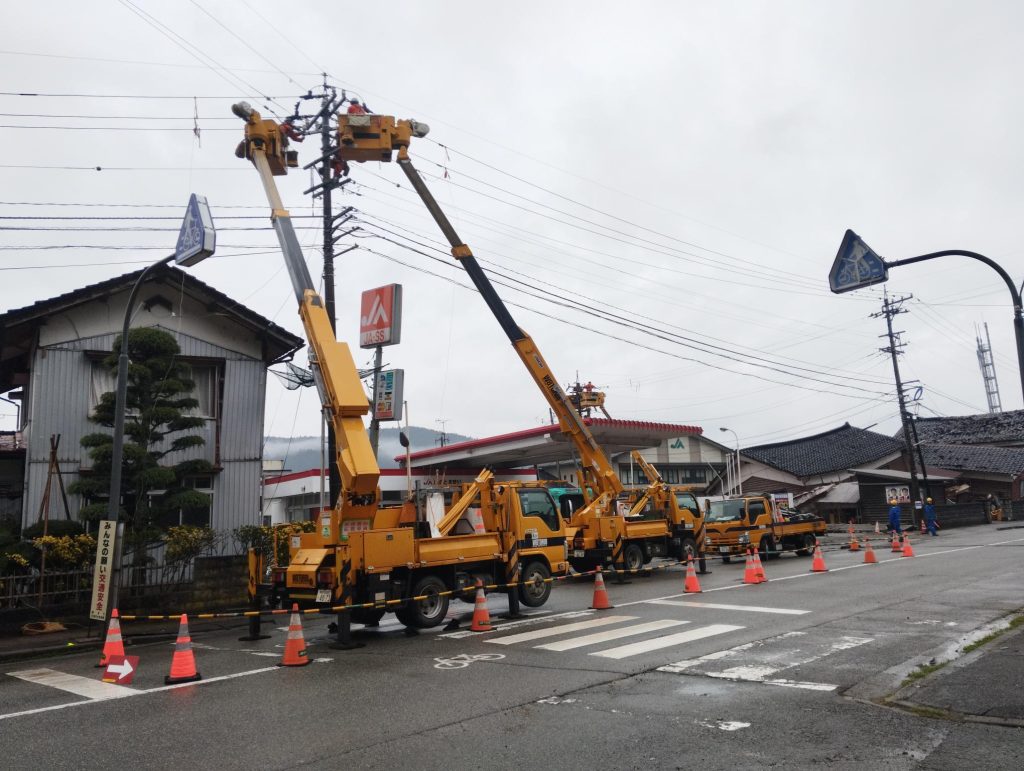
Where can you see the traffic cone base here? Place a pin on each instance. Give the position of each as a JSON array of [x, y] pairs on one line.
[[295, 645], [691, 585], [601, 601], [113, 645], [869, 554], [818, 565], [481, 616], [183, 663], [908, 551]]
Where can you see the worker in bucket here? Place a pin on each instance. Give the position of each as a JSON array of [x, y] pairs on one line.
[[929, 517], [894, 517]]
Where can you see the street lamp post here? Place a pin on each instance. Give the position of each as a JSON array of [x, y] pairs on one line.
[[196, 241], [857, 265], [739, 476]]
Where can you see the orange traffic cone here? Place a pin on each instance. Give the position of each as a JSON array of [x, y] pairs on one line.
[[907, 550], [183, 663], [869, 554], [601, 601], [896, 548], [750, 574], [691, 585], [295, 645], [759, 568], [113, 646], [481, 616], [818, 565], [854, 544]]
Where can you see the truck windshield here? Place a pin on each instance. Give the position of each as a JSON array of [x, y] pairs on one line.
[[725, 511]]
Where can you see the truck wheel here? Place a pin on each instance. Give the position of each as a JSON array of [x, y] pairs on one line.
[[688, 549], [633, 557], [534, 586], [807, 545], [431, 610], [766, 549]]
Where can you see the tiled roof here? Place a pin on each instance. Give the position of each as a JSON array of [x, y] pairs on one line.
[[995, 428], [836, 450], [962, 457]]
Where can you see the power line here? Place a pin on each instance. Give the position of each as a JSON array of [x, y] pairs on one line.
[[687, 341]]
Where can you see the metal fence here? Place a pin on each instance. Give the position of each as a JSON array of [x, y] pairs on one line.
[[75, 587]]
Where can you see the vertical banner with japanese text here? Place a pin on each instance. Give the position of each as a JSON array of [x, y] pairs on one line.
[[106, 540]]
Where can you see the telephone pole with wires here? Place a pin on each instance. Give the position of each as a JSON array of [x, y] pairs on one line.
[[891, 307], [333, 176]]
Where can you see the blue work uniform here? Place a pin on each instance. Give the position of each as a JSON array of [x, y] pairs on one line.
[[894, 519], [929, 518]]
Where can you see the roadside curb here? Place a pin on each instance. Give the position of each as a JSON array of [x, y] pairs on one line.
[[878, 691]]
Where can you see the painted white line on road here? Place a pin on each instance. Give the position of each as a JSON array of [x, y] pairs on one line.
[[529, 621], [88, 687], [611, 634], [721, 606], [134, 692], [645, 646], [1002, 543], [536, 634]]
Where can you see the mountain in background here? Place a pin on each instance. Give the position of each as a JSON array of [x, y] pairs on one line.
[[301, 453]]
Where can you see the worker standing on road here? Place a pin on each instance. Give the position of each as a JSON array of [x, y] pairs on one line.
[[894, 517], [929, 517]]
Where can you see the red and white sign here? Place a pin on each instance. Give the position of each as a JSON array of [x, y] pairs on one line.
[[121, 669], [380, 316]]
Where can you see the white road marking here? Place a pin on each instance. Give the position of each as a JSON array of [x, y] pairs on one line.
[[645, 646], [529, 621], [135, 692], [560, 629], [772, 661], [96, 690], [721, 606], [611, 634]]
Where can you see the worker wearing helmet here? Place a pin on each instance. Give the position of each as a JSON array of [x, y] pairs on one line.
[[894, 517], [355, 108], [929, 517]]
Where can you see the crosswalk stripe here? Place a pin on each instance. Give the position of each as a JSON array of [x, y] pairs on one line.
[[610, 634], [721, 606], [80, 686], [552, 631], [645, 646]]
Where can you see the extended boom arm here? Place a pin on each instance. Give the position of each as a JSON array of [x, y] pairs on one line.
[[334, 369]]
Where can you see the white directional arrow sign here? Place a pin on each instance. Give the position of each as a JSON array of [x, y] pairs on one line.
[[121, 669]]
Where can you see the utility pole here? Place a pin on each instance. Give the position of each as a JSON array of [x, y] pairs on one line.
[[331, 179], [893, 307]]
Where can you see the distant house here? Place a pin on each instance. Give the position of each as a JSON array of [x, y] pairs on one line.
[[985, 452], [818, 469], [50, 365]]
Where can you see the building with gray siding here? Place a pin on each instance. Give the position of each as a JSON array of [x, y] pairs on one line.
[[51, 365]]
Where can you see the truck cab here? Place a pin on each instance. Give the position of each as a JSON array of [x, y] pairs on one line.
[[732, 525]]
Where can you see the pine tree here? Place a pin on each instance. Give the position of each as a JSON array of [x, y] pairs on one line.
[[157, 423]]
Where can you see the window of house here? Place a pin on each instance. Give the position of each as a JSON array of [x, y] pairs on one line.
[[205, 377], [198, 516]]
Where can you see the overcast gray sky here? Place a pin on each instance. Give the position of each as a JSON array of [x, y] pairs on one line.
[[686, 168]]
